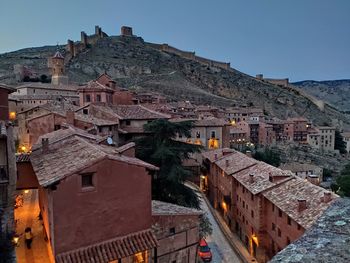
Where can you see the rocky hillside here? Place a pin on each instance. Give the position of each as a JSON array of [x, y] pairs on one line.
[[334, 92], [137, 65]]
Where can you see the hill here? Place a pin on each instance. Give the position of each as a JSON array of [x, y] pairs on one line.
[[334, 92], [141, 66]]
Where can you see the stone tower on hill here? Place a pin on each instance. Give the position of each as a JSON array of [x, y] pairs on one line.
[[57, 67]]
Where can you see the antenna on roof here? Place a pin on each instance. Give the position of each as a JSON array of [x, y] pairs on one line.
[[109, 141]]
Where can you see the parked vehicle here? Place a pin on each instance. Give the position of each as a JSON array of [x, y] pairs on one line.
[[204, 251]]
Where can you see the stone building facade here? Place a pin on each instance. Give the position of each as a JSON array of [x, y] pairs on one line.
[[266, 207], [7, 170], [177, 232]]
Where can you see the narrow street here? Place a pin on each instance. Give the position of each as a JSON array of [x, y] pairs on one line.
[[220, 247], [27, 216]]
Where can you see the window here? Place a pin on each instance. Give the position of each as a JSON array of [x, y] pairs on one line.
[[243, 204], [252, 214], [273, 208], [172, 230], [87, 98], [279, 232], [99, 129], [57, 127], [213, 135], [273, 227], [289, 221], [127, 122], [85, 111], [198, 134], [98, 97], [251, 197], [279, 212], [86, 180], [299, 227], [288, 241]]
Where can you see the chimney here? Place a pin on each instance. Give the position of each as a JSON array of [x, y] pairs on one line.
[[327, 197], [215, 156], [70, 116], [251, 178], [44, 145], [227, 163], [301, 205]]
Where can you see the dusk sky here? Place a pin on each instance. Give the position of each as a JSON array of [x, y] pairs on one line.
[[299, 39]]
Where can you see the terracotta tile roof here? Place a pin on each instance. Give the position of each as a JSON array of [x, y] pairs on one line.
[[346, 134], [298, 167], [261, 174], [96, 86], [285, 196], [235, 162], [137, 112], [64, 133], [48, 97], [7, 87], [95, 120], [69, 154], [327, 241], [58, 55], [163, 208], [214, 155], [111, 250], [50, 86]]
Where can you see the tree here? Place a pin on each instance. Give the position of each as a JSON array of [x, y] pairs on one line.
[[205, 227], [268, 156], [162, 150], [343, 181], [44, 79], [339, 143]]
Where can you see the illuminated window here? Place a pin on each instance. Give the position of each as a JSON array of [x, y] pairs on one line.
[[12, 115]]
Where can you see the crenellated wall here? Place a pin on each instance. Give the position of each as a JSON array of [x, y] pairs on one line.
[[285, 83], [191, 55], [74, 48]]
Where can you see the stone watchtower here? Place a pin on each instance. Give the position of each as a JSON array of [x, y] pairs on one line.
[[57, 68]]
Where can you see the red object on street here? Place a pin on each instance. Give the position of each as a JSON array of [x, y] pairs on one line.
[[204, 251]]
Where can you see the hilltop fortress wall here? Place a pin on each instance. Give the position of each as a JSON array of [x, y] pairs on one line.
[[74, 48], [191, 55], [285, 84]]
